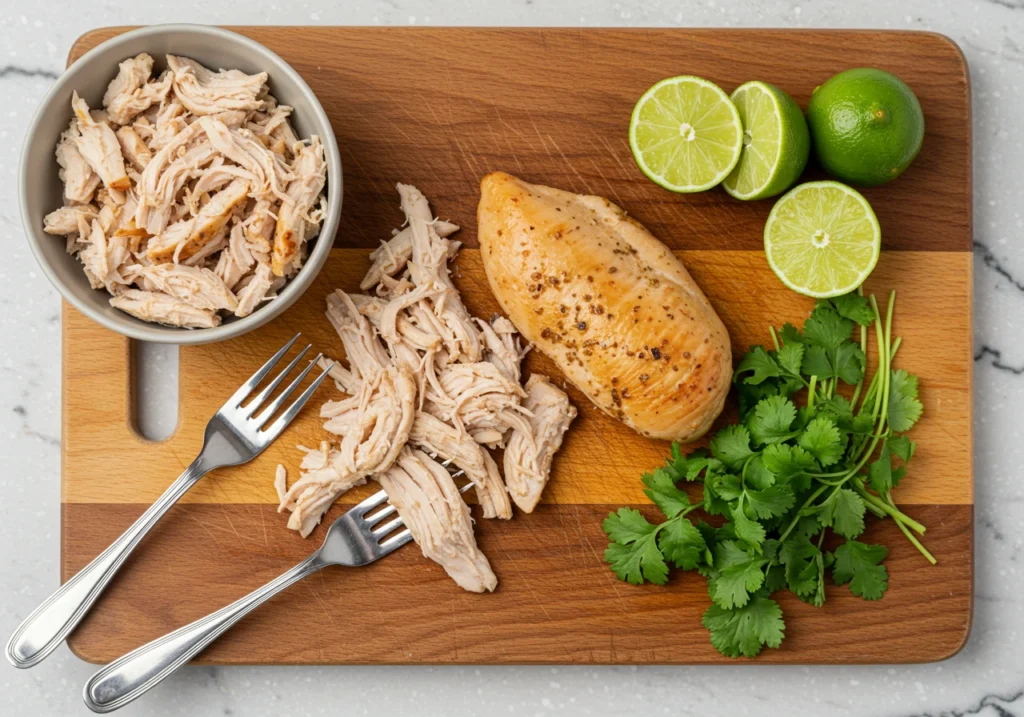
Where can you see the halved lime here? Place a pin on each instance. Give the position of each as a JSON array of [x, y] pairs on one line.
[[822, 239], [776, 142], [685, 134]]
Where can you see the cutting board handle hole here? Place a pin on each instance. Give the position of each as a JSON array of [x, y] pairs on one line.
[[153, 394]]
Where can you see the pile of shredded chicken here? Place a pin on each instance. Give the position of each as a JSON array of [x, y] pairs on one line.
[[188, 197], [428, 387]]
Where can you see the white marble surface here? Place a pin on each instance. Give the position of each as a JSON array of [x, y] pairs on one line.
[[986, 678]]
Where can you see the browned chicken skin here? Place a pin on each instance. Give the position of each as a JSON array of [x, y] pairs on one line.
[[611, 304]]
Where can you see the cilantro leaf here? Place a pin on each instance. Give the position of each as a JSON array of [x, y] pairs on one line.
[[844, 513], [747, 530], [737, 575], [797, 555], [714, 504], [859, 564], [823, 440], [904, 408], [771, 420], [771, 502], [848, 363], [775, 579], [731, 446], [826, 328], [627, 525], [791, 334], [756, 475], [790, 356], [760, 364], [845, 361], [744, 630], [855, 308], [726, 486], [880, 470], [790, 464], [633, 553], [901, 446], [863, 424], [637, 562], [681, 543], [661, 489], [837, 407], [881, 474]]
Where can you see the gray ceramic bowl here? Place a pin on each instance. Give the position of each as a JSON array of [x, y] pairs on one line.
[[41, 189]]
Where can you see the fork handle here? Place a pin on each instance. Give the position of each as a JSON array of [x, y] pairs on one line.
[[52, 621], [134, 674]]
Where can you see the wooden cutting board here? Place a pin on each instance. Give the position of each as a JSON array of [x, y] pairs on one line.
[[439, 108]]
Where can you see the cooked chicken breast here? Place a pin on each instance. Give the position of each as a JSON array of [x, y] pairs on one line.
[[203, 92], [191, 170], [609, 303], [443, 440], [195, 285], [392, 255], [67, 220], [98, 145], [133, 148], [162, 308], [303, 192], [528, 455], [427, 379], [125, 96], [370, 444], [431, 507], [80, 182]]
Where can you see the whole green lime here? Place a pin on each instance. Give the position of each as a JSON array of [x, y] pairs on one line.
[[866, 126]]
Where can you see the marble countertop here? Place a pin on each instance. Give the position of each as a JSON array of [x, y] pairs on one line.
[[984, 679]]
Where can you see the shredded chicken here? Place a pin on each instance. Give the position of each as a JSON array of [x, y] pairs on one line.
[[430, 505], [427, 390], [195, 178], [529, 454]]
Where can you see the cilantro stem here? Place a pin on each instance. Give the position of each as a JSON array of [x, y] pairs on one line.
[[810, 392], [892, 511], [775, 338], [878, 512], [916, 543], [863, 350], [799, 513]]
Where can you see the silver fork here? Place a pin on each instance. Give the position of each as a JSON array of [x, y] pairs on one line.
[[352, 541], [235, 435]]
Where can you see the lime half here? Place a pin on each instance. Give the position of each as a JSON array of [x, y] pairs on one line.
[[776, 142], [686, 134], [822, 239]]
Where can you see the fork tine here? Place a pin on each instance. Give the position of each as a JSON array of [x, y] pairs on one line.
[[246, 388], [277, 426], [379, 515], [262, 396], [387, 528], [370, 503], [396, 541]]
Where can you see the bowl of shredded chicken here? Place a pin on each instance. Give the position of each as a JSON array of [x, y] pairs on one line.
[[181, 184]]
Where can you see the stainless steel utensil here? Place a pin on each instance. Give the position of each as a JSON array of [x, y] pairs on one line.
[[352, 541], [236, 434]]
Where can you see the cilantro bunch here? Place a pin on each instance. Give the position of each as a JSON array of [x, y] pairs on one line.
[[785, 476]]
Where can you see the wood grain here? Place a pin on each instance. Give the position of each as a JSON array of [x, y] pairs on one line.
[[97, 368], [440, 108], [556, 602]]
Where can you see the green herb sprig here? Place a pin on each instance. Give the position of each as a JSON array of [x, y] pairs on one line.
[[783, 476]]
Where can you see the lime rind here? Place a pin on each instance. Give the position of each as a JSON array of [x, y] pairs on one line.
[[777, 142], [658, 127], [851, 229]]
